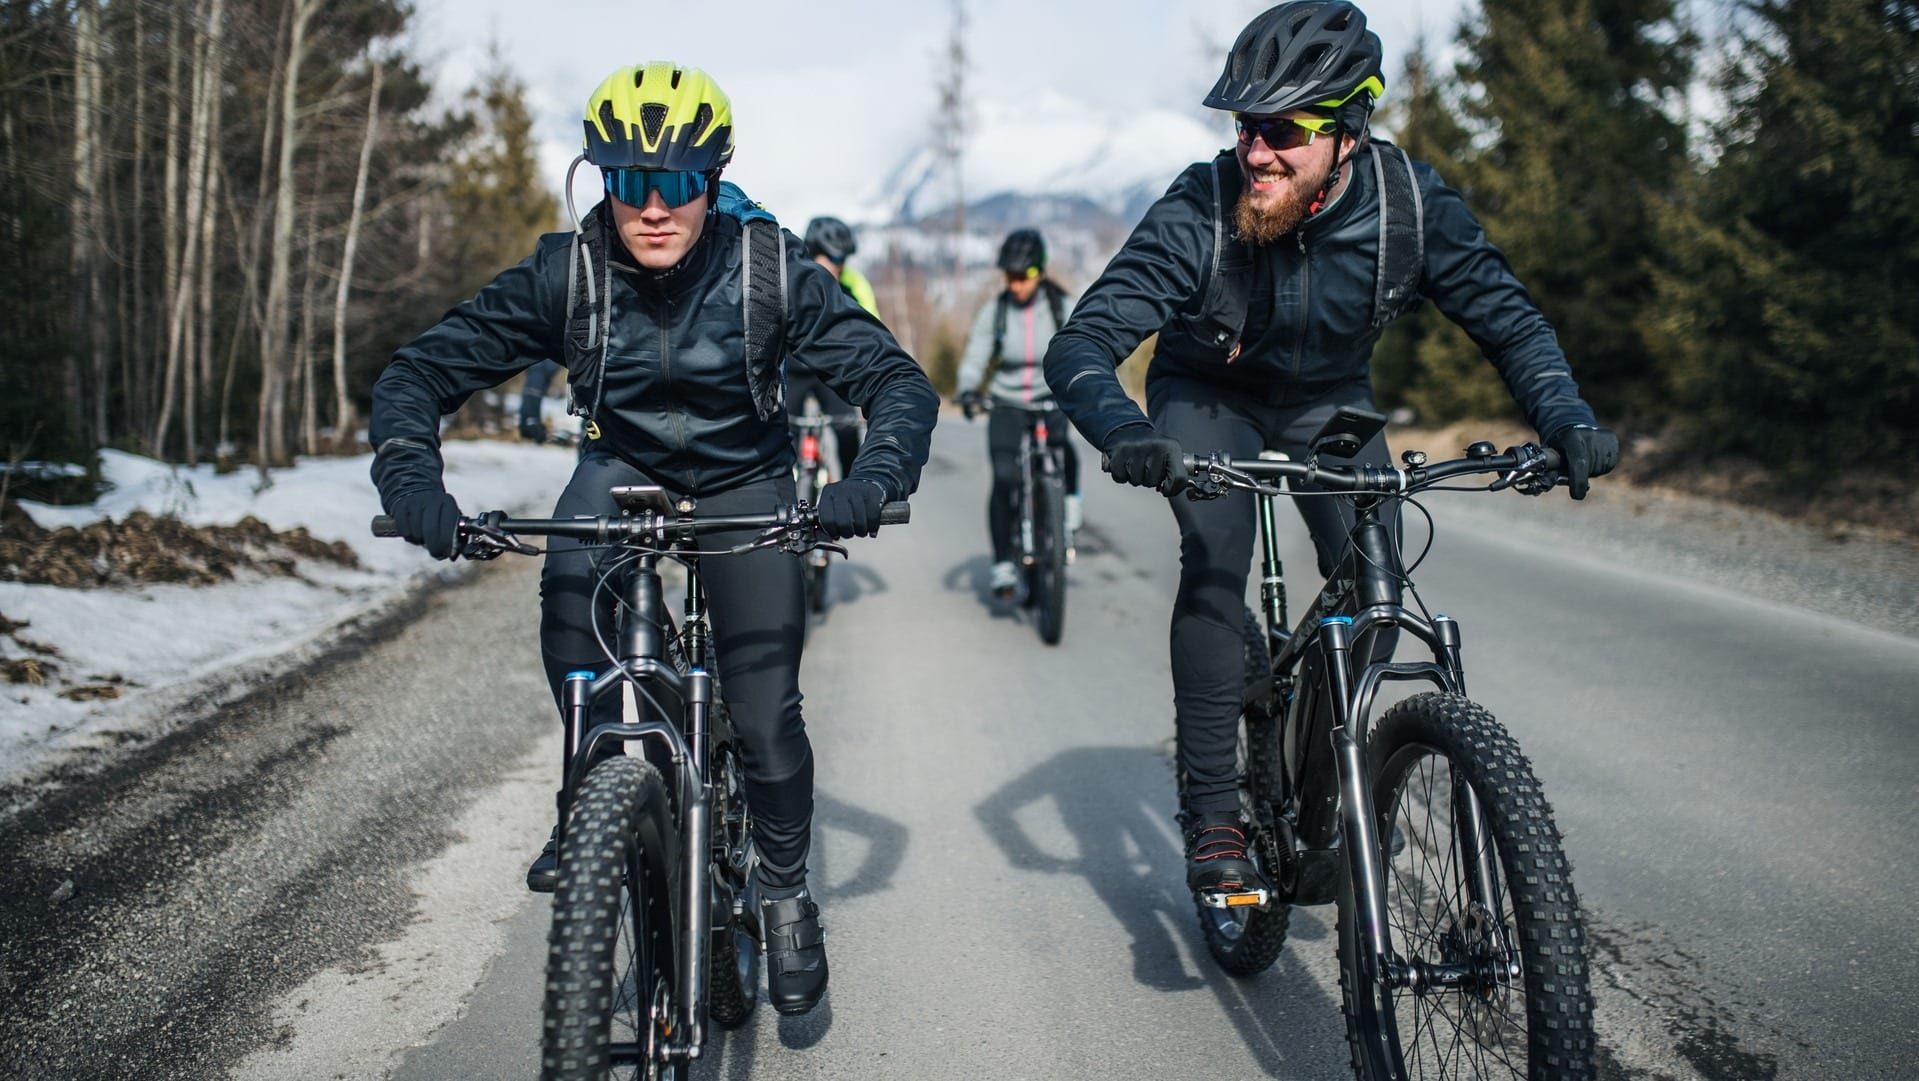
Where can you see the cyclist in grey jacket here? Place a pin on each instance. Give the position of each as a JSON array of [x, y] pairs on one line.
[[1301, 81], [1013, 330]]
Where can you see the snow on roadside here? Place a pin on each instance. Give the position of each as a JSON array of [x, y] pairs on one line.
[[167, 640]]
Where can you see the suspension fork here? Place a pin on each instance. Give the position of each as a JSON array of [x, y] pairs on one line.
[[1373, 938], [1356, 799], [696, 915]]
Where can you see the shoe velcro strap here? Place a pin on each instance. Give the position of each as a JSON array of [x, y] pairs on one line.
[[1230, 846], [792, 924]]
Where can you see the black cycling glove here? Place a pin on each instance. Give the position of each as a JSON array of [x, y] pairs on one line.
[[1589, 452], [1138, 454], [430, 520], [969, 403], [850, 508], [532, 429]]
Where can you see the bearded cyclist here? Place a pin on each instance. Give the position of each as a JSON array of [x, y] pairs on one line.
[[674, 402], [830, 243], [1012, 330], [1300, 82]]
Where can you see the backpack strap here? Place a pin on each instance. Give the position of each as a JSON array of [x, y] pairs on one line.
[[588, 308], [1229, 277], [763, 307], [1055, 301], [1000, 304], [1402, 234]]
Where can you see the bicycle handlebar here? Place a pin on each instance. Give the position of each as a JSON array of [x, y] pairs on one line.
[[1527, 462], [611, 528]]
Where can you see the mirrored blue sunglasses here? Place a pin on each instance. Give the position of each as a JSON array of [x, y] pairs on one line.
[[632, 186]]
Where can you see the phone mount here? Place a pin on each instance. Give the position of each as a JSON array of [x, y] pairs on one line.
[[1346, 432]]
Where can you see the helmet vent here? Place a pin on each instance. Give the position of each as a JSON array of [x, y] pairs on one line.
[[702, 120], [609, 123], [652, 119], [1268, 60]]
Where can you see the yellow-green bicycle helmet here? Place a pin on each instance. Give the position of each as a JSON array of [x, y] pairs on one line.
[[659, 115]]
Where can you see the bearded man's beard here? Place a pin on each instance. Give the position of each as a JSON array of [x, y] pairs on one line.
[[1279, 218]]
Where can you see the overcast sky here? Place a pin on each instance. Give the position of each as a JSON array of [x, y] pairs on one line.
[[829, 95]]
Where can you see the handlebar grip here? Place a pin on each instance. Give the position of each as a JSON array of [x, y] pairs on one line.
[[385, 526], [896, 513]]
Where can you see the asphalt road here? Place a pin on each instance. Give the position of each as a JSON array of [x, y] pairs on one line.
[[326, 883]]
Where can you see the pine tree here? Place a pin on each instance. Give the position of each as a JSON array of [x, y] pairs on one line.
[[497, 203], [1423, 361], [1580, 159], [1788, 314]]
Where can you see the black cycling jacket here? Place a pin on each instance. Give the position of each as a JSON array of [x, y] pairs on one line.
[[676, 403], [1309, 323]]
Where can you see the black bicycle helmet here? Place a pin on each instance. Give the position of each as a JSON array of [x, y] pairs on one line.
[[830, 237], [1023, 251], [1309, 54]]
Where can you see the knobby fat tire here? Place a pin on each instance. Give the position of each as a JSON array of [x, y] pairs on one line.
[[1535, 879], [616, 854]]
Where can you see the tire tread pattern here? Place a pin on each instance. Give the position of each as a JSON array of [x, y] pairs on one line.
[[1537, 876]]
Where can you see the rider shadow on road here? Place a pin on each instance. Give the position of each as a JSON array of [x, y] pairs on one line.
[[1116, 804], [846, 582], [873, 848]]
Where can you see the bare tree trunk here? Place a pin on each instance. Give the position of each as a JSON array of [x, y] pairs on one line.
[[83, 302], [309, 404], [205, 365], [271, 444], [344, 422], [248, 254], [134, 330], [178, 39], [206, 86]]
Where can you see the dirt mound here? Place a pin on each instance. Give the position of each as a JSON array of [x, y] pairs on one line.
[[142, 548]]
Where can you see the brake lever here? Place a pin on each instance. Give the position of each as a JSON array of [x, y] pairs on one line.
[[484, 539], [1527, 478]]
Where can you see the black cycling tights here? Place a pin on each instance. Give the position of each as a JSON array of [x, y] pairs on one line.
[[755, 606], [1004, 426], [1216, 546]]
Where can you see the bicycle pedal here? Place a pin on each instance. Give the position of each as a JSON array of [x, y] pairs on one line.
[[1236, 898]]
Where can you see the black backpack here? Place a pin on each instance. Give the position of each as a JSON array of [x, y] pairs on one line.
[[1397, 268], [762, 303]]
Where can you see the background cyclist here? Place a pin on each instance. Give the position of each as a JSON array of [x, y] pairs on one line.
[[1012, 330], [830, 243], [715, 430], [1301, 81]]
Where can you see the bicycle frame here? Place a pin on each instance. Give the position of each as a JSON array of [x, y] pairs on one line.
[[643, 659], [1330, 713]]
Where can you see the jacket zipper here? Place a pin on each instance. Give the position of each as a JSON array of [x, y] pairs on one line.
[[666, 370]]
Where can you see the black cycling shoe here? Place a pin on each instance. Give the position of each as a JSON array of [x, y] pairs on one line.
[[795, 954], [544, 875], [1218, 869]]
